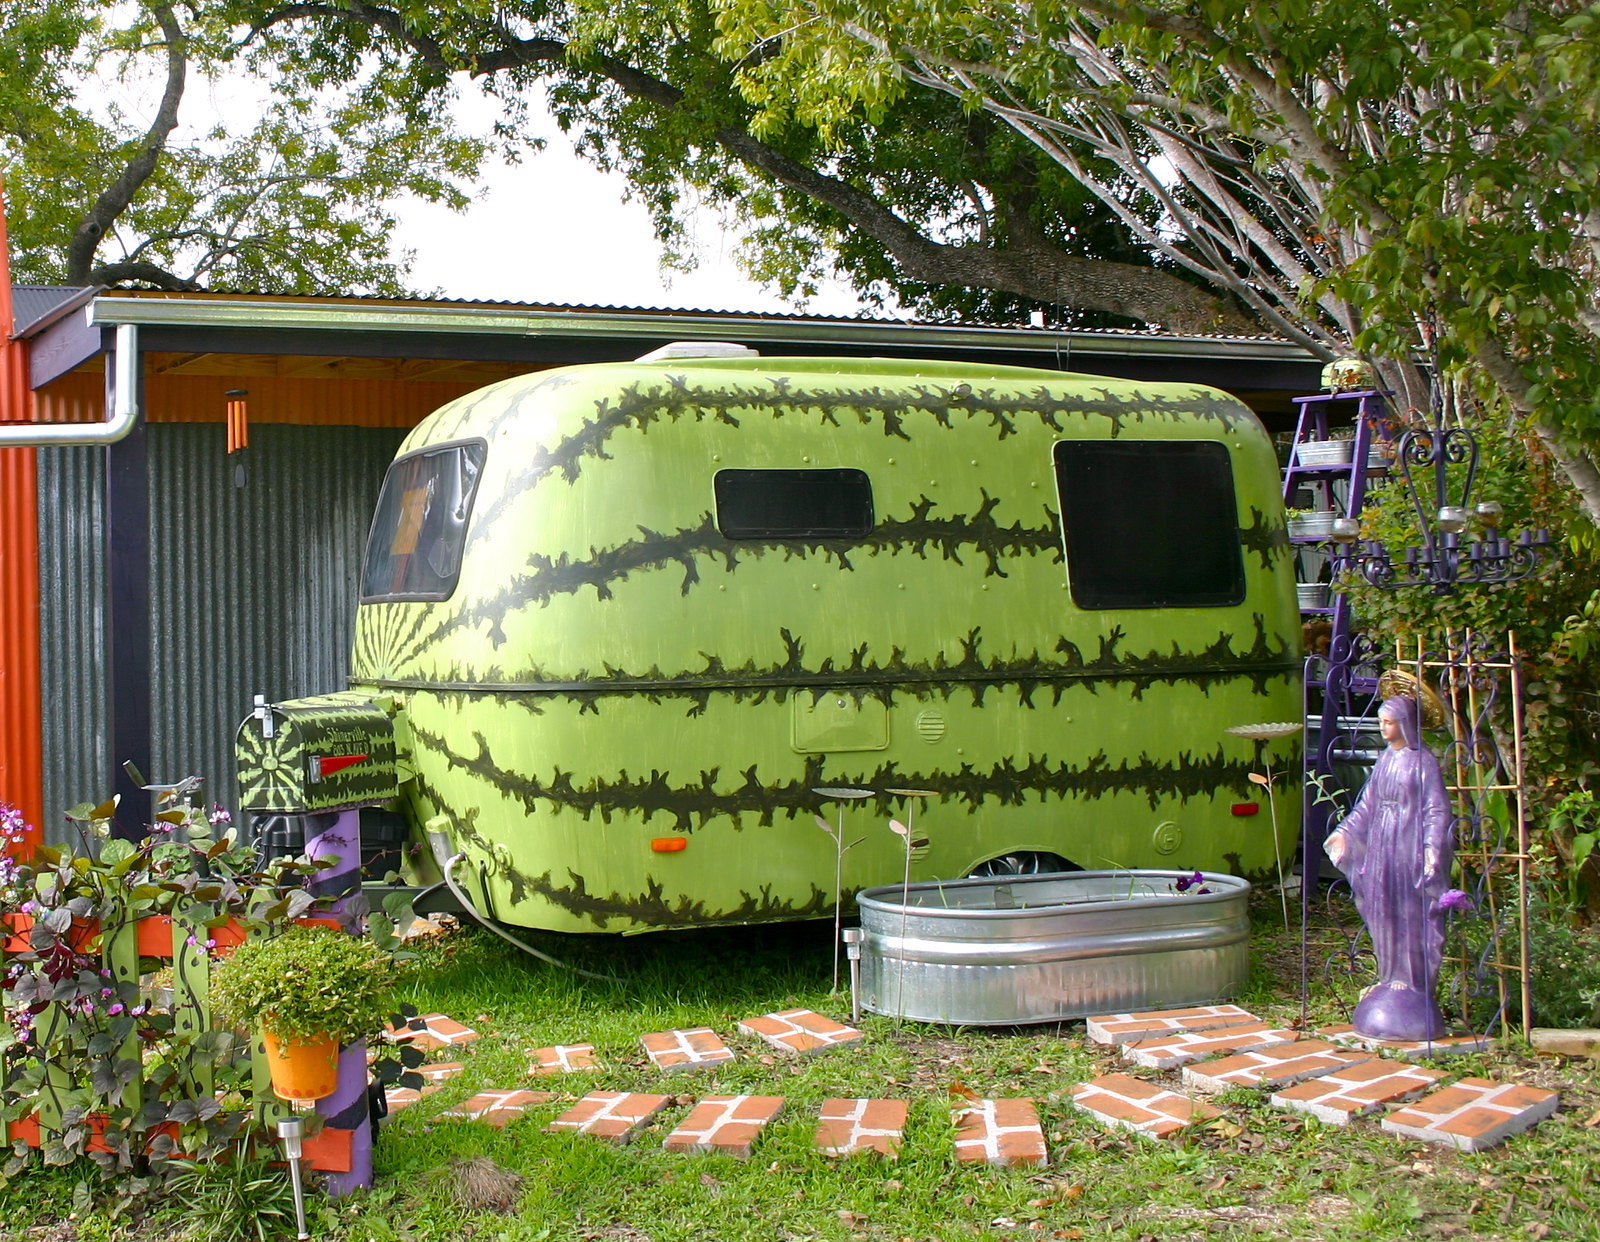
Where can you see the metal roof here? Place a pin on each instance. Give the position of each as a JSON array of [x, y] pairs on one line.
[[34, 307]]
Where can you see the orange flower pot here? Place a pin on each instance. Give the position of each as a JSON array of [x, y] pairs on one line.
[[302, 1071]]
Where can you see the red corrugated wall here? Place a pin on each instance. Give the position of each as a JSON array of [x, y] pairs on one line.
[[21, 763]]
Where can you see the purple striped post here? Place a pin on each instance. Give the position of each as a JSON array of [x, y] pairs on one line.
[[346, 1108]]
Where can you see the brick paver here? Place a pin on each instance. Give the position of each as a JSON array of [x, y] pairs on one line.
[[729, 1124], [1001, 1132], [847, 1126], [800, 1030], [1143, 1107], [563, 1059], [616, 1115], [1171, 1051], [1122, 1028], [443, 1071], [497, 1108], [401, 1097], [431, 1031], [1473, 1114], [1357, 1090], [1406, 1050], [686, 1050], [1277, 1066]]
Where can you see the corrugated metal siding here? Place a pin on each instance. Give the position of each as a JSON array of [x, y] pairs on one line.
[[254, 588], [72, 635]]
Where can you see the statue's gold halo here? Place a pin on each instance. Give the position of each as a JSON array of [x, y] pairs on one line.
[[1396, 681]]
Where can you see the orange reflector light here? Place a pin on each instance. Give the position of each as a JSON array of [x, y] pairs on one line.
[[669, 845], [1246, 808]]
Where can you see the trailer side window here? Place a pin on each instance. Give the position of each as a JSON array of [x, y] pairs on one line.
[[1149, 525], [414, 550], [794, 504]]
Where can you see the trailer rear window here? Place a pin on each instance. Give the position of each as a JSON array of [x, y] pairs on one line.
[[414, 550], [1149, 525], [794, 504]]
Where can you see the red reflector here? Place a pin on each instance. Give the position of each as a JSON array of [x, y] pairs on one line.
[[1246, 808], [669, 845]]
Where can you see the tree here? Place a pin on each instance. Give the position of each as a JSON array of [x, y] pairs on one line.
[[1412, 180], [297, 203]]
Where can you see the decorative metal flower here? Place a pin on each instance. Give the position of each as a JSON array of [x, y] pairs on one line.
[[1267, 731]]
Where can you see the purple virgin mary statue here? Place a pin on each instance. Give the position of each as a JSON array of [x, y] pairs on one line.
[[1395, 847]]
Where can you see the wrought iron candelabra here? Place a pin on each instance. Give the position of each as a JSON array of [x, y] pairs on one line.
[[1448, 555]]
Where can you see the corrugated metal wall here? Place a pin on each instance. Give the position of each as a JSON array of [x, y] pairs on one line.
[[253, 591]]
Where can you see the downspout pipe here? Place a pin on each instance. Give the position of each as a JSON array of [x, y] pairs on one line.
[[124, 405]]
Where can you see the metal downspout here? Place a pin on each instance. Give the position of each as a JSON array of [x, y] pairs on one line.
[[124, 406]]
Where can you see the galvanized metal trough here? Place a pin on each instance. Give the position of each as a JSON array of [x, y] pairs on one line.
[[1002, 951]]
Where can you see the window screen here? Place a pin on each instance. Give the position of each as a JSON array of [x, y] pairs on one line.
[[794, 504], [1149, 525], [414, 550]]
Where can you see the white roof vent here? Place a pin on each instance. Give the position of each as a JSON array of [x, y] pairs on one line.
[[698, 349]]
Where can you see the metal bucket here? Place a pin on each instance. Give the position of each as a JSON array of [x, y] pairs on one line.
[[1044, 948]]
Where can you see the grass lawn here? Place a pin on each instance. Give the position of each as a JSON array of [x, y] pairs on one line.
[[1256, 1172]]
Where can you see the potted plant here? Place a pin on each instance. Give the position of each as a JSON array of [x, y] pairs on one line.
[[1310, 523], [310, 989], [1337, 450]]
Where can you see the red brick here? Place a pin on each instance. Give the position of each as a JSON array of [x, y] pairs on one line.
[[1473, 1114], [497, 1108], [436, 1031], [1272, 1067], [1358, 1090], [686, 1050], [563, 1059], [440, 1072], [401, 1097], [616, 1115], [1171, 1051], [729, 1124], [847, 1126], [1143, 1107], [1000, 1132], [800, 1030], [1121, 1028], [1406, 1050]]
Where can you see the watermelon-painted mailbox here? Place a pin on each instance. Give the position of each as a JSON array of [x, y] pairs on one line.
[[619, 622]]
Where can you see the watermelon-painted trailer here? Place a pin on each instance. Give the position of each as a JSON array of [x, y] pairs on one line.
[[620, 622]]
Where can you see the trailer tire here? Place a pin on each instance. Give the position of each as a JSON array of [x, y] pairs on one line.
[[1022, 862]]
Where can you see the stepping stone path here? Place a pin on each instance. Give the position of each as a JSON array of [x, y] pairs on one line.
[[1357, 1090], [432, 1031], [563, 1059], [1143, 1107], [616, 1115], [497, 1108], [1337, 1078], [800, 1030], [1171, 1051], [1123, 1028], [999, 1132], [1278, 1066], [686, 1050], [729, 1124], [848, 1126], [1407, 1050], [1473, 1114]]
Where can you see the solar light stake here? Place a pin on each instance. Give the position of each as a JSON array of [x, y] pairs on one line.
[[289, 1130], [852, 949]]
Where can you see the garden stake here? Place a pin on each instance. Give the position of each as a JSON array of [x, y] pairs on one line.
[[289, 1130], [904, 832], [1260, 733], [852, 950], [840, 849]]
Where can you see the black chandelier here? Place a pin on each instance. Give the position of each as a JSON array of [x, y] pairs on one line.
[[1461, 541]]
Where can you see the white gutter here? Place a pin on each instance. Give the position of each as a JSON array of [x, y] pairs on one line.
[[124, 406]]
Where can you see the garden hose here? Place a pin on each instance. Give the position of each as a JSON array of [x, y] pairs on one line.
[[466, 904]]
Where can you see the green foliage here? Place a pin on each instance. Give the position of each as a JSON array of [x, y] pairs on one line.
[[1565, 958], [243, 1197], [306, 983]]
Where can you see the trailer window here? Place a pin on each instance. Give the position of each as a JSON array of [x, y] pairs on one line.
[[414, 550], [1149, 525], [794, 504]]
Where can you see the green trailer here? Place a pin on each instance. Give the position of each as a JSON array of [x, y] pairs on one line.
[[620, 623]]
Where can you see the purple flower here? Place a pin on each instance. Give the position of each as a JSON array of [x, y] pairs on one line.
[[115, 1008], [1454, 899], [219, 814]]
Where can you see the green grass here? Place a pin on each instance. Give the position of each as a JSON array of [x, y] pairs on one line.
[[1257, 1173]]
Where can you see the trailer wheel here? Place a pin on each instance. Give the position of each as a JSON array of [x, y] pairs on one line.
[[1023, 862]]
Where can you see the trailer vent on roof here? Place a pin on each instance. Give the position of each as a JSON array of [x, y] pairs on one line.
[[698, 349]]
